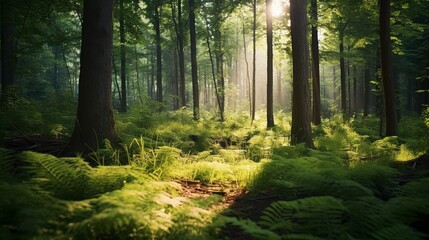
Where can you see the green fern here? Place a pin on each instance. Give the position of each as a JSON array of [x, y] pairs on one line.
[[398, 232], [7, 165], [242, 229], [321, 216]]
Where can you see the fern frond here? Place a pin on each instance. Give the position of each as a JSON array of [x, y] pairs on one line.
[[419, 188], [398, 232], [322, 215], [65, 177], [7, 164], [244, 228], [379, 178]]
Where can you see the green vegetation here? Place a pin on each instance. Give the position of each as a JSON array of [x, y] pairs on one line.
[[353, 186]]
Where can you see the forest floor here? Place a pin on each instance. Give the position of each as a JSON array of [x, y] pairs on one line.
[[209, 180]]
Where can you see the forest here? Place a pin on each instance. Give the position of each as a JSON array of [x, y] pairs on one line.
[[211, 119]]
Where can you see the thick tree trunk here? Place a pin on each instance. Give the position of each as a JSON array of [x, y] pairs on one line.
[[301, 126], [270, 108], [94, 120], [193, 36], [315, 64], [387, 70], [8, 51], [123, 57]]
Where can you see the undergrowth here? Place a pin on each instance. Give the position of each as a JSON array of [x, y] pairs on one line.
[[356, 185]]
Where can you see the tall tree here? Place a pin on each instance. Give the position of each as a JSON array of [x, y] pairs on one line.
[[193, 36], [254, 62], [301, 126], [8, 48], [156, 23], [315, 63], [123, 57], [94, 120], [270, 81], [387, 70]]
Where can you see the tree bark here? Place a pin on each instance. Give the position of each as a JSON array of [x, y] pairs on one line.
[[123, 57], [270, 108], [180, 38], [193, 36], [367, 92], [254, 63], [158, 54], [301, 127], [94, 120], [315, 64], [8, 51], [387, 70], [343, 78]]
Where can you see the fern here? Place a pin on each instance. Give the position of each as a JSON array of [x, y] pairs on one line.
[[322, 216], [243, 229], [7, 165], [398, 232], [67, 178]]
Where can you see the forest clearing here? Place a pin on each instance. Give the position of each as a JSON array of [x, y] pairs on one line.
[[200, 119]]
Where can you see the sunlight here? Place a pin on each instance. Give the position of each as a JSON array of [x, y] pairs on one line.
[[278, 7]]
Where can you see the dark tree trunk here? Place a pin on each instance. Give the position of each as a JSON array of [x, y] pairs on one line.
[[123, 58], [343, 78], [193, 36], [355, 101], [301, 125], [8, 51], [367, 92], [387, 70], [180, 38], [158, 55], [270, 108], [94, 120], [334, 85], [315, 64], [254, 63]]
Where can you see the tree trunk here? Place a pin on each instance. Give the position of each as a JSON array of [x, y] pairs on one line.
[[270, 108], [387, 71], [180, 38], [367, 92], [254, 63], [8, 51], [123, 59], [158, 55], [193, 36], [343, 78], [315, 64], [334, 86], [94, 120], [301, 126]]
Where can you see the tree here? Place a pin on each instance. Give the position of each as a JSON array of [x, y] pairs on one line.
[[156, 23], [315, 64], [8, 49], [301, 127], [386, 70], [94, 118], [270, 108], [193, 35], [123, 57], [254, 62]]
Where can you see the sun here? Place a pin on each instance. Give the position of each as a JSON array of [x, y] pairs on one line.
[[278, 7]]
